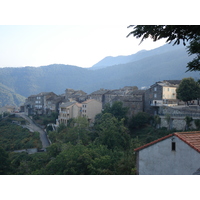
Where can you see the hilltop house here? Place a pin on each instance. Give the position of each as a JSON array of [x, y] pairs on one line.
[[159, 94], [174, 154], [90, 108], [52, 104], [37, 104], [99, 95], [75, 95], [107, 96]]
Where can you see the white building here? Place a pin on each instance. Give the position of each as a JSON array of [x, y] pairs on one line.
[[174, 154]]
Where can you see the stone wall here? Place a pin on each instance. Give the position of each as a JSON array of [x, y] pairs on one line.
[[177, 123]]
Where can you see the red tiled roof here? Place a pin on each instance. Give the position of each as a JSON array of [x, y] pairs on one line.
[[190, 138]]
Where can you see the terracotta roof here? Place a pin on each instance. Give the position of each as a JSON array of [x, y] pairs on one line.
[[190, 138]]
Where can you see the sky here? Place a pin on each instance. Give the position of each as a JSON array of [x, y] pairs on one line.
[[81, 33], [80, 45]]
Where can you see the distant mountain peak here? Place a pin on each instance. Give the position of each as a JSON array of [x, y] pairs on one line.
[[111, 61]]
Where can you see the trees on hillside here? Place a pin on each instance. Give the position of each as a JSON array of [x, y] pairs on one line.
[[117, 110], [176, 33], [188, 90]]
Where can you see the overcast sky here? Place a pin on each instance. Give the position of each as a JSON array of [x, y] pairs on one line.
[[81, 33]]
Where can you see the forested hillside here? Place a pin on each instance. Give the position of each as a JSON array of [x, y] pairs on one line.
[[56, 78], [9, 97], [79, 149]]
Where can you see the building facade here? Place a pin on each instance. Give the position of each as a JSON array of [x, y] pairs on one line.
[[68, 111], [37, 104], [90, 108], [159, 94], [75, 95], [174, 154]]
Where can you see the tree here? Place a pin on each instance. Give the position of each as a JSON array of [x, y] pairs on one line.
[[194, 48], [112, 132], [188, 121], [117, 110], [188, 90], [197, 123], [139, 120], [4, 162], [178, 33], [169, 121]]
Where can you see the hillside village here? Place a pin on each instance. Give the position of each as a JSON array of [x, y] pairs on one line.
[[160, 99]]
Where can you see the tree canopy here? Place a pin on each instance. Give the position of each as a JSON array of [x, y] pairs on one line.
[[188, 90], [176, 33]]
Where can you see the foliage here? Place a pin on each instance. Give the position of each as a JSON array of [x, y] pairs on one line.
[[197, 123], [194, 48], [188, 90], [156, 121], [139, 120], [46, 119], [9, 97], [117, 110], [77, 132], [188, 121], [4, 162], [88, 160], [25, 164], [112, 132], [14, 137], [173, 32]]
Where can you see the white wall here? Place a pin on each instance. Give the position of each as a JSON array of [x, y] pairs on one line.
[[159, 159]]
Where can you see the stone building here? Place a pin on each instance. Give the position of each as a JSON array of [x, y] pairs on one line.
[[52, 104], [75, 95], [159, 94], [37, 104], [99, 95]]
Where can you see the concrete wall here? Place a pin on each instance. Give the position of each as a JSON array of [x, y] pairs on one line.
[[159, 159]]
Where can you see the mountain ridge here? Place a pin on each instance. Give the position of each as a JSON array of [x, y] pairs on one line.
[[110, 60], [57, 77]]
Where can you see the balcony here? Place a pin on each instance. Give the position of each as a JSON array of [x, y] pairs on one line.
[[157, 103]]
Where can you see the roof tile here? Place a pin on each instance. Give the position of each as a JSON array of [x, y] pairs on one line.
[[190, 138]]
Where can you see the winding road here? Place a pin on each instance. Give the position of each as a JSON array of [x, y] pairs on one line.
[[33, 127]]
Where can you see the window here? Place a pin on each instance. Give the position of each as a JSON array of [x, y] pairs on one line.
[[155, 95], [155, 89], [173, 146]]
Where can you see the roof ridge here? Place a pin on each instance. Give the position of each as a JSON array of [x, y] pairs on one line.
[[153, 142], [188, 141]]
